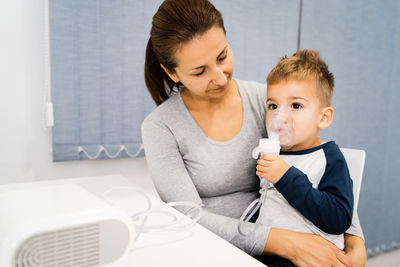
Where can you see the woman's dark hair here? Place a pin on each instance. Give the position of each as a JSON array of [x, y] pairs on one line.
[[176, 22]]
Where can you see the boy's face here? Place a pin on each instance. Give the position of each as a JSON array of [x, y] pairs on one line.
[[303, 108]]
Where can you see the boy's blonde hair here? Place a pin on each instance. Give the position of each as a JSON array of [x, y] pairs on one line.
[[305, 65]]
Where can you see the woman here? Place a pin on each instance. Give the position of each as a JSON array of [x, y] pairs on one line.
[[199, 139]]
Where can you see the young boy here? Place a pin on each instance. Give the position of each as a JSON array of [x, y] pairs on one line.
[[307, 188]]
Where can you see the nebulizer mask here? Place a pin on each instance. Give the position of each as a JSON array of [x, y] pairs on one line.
[[280, 132]]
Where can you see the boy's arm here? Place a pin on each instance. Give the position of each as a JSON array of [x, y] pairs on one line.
[[330, 207]]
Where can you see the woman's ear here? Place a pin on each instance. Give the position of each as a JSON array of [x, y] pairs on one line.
[[173, 76], [326, 117]]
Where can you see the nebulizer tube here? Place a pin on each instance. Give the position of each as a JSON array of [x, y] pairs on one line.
[[128, 198], [280, 135]]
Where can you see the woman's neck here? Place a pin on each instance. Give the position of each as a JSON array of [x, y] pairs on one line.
[[220, 120]]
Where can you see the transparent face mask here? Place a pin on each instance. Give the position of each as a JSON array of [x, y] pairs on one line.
[[281, 127]]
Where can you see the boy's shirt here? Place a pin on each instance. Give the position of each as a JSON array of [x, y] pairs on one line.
[[314, 196]]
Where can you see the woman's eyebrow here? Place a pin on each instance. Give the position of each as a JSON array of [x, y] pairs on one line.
[[223, 51]]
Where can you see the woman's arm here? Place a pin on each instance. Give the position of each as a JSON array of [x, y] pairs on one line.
[[173, 183], [307, 249], [354, 242], [355, 250]]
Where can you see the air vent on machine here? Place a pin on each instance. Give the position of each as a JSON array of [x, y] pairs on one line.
[[78, 247], [60, 226]]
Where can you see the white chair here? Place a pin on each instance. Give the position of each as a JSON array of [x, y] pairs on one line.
[[355, 159]]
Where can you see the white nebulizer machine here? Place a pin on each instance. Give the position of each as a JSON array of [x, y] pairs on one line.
[[61, 225], [66, 225]]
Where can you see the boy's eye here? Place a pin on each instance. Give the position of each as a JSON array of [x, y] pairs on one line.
[[296, 106], [272, 106]]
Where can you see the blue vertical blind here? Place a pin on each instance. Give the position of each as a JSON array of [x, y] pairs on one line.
[[100, 100], [97, 58], [259, 32]]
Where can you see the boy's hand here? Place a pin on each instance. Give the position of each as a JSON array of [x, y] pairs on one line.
[[271, 167]]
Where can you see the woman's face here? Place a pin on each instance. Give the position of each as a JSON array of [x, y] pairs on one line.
[[205, 65]]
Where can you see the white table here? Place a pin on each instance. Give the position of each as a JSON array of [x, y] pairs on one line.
[[195, 246]]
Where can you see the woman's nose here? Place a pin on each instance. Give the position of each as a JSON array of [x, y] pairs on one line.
[[219, 77]]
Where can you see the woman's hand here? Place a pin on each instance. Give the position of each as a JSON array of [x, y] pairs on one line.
[[305, 249], [355, 250]]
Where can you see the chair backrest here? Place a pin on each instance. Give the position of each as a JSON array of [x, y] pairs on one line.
[[355, 159]]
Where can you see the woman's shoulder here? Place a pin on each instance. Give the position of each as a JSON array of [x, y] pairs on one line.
[[255, 94], [163, 113], [255, 91], [252, 86]]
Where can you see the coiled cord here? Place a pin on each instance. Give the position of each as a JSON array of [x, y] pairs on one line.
[[139, 219]]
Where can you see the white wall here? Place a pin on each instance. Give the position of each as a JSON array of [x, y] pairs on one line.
[[25, 143]]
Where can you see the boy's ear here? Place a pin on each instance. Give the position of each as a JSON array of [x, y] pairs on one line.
[[326, 117], [173, 76]]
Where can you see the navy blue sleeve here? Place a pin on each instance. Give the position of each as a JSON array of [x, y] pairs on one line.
[[330, 207]]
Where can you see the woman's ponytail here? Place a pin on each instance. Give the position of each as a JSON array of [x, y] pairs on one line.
[[155, 76]]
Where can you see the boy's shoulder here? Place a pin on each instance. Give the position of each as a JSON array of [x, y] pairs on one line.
[[332, 150]]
